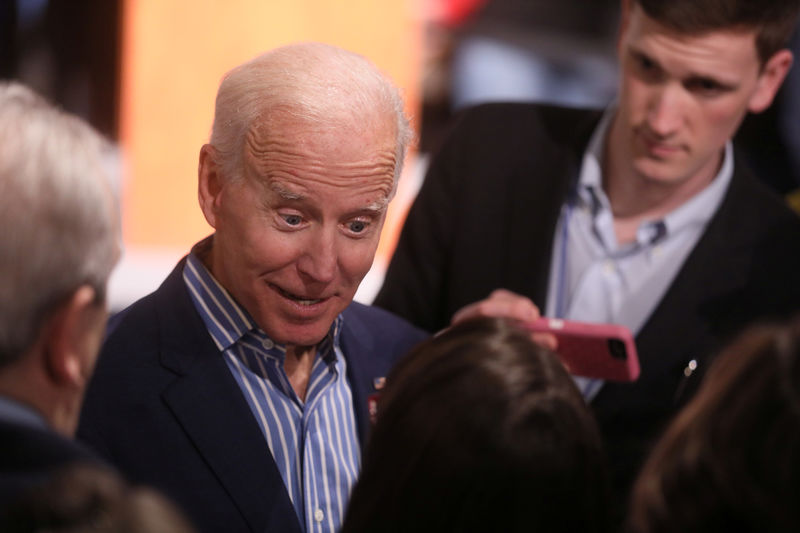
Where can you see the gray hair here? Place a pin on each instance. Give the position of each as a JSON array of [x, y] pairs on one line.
[[58, 215], [313, 82]]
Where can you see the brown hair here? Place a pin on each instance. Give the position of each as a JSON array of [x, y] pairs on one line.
[[773, 20], [479, 429], [731, 459]]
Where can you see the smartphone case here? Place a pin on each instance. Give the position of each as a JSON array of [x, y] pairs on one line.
[[605, 351]]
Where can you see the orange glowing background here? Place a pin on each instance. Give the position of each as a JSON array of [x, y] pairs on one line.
[[173, 56]]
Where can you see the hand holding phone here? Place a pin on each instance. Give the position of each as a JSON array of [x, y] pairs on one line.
[[604, 351]]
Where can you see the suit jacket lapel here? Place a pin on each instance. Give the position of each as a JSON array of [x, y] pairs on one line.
[[210, 408], [706, 289], [362, 370]]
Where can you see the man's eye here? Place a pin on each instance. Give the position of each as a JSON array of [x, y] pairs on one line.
[[292, 220], [357, 226], [705, 86], [645, 67]]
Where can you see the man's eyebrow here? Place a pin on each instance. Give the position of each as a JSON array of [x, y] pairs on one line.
[[285, 193], [641, 54], [691, 77], [377, 206], [705, 78]]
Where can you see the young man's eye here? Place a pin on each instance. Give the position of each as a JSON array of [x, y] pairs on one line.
[[645, 67], [705, 86]]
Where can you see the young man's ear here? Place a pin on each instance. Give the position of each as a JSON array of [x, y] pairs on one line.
[[769, 81], [74, 334], [209, 184]]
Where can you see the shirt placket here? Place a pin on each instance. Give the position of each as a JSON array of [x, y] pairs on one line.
[[315, 466]]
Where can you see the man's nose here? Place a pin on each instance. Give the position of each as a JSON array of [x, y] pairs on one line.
[[664, 113], [320, 257]]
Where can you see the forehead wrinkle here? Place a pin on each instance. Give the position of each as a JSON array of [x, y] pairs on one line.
[[277, 157], [260, 145]]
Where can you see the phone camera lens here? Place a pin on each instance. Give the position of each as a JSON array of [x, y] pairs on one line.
[[617, 349]]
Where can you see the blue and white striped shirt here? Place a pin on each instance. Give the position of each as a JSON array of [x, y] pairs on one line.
[[314, 443]]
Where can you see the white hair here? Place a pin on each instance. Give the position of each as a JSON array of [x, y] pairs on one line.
[[58, 214], [313, 82]]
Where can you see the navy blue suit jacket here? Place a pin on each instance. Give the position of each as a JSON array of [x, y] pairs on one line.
[[164, 408]]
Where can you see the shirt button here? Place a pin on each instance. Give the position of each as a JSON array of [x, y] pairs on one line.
[[268, 344], [319, 515], [608, 267]]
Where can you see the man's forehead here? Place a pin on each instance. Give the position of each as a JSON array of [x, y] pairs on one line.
[[643, 26], [703, 55]]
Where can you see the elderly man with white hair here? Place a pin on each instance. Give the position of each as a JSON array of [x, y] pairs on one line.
[[241, 387], [59, 241]]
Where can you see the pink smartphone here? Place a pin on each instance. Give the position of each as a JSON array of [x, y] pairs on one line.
[[604, 351]]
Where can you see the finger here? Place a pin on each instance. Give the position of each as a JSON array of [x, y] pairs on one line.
[[500, 304], [547, 340]]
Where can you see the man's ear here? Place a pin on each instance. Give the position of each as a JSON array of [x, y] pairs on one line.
[[770, 80], [209, 184], [74, 333]]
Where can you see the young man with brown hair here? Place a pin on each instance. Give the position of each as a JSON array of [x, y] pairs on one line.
[[639, 215]]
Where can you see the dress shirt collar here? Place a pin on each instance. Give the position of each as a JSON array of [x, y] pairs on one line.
[[229, 323], [17, 412]]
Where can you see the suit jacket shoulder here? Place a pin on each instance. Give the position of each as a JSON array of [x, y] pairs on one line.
[[373, 340], [30, 455]]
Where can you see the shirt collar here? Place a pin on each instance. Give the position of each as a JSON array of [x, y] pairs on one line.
[[698, 210], [16, 412], [589, 189], [229, 323]]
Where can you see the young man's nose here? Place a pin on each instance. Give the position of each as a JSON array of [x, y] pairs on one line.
[[664, 112]]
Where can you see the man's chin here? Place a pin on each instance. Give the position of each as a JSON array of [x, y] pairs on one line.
[[657, 172], [292, 334]]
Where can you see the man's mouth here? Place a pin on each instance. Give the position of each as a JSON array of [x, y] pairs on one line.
[[299, 299], [658, 146]]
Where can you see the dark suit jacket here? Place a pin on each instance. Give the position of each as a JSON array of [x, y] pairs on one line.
[[164, 408], [29, 455], [485, 218]]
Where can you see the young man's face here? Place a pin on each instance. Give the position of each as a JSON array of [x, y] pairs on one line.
[[683, 96]]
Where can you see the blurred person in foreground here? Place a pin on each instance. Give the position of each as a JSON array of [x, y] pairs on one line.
[[84, 498], [730, 461], [640, 215], [58, 245], [241, 386], [480, 429]]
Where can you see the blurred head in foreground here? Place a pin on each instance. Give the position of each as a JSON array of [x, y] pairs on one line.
[[731, 459], [479, 429], [58, 244], [84, 498]]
